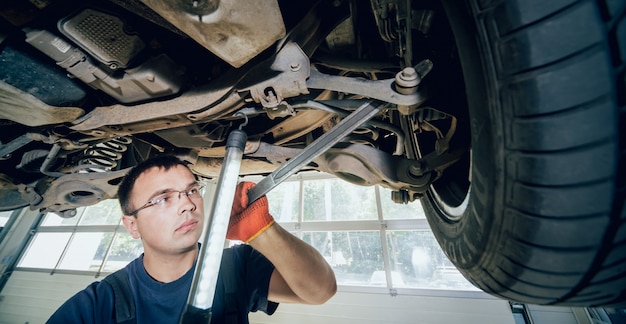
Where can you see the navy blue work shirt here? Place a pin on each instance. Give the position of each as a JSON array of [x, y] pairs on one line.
[[157, 302]]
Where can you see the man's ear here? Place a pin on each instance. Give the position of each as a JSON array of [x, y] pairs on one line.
[[130, 222]]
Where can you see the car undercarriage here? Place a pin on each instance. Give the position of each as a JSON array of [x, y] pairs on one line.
[[158, 91], [505, 118]]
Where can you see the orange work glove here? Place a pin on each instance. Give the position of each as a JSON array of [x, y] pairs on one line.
[[248, 222]]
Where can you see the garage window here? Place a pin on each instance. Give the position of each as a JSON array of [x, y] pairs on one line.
[[369, 241], [94, 241]]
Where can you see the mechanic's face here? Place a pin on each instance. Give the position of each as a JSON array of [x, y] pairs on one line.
[[171, 226]]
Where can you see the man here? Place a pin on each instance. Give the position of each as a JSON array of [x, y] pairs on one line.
[[162, 206]]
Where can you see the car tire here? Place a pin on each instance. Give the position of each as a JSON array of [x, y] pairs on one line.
[[543, 220]]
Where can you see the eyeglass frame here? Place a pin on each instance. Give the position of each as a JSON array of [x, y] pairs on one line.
[[154, 201]]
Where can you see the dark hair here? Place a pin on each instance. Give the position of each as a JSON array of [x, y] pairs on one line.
[[126, 186]]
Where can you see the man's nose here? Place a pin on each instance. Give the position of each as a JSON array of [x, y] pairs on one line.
[[185, 202]]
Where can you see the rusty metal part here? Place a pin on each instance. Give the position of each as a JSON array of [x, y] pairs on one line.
[[50, 159], [319, 146], [273, 153], [275, 107], [277, 74], [342, 113], [285, 77], [10, 197], [311, 114], [286, 74], [203, 103], [210, 167], [24, 108], [421, 118], [14, 145], [207, 101], [68, 192], [21, 141], [356, 163], [364, 165], [261, 158], [234, 32], [301, 124], [252, 145], [195, 137], [115, 119]]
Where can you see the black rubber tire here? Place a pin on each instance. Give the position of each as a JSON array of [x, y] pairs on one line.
[[544, 221]]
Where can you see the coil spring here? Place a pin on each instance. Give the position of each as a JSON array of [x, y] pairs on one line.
[[104, 156]]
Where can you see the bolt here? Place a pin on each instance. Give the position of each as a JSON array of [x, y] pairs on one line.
[[407, 81], [400, 197], [407, 78], [295, 66], [416, 168], [408, 74]]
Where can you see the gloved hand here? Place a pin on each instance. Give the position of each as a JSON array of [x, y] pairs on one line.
[[248, 222]]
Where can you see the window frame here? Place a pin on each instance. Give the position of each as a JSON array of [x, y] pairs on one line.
[[382, 226], [298, 228], [74, 229]]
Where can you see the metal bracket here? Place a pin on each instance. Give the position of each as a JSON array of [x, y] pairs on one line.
[[284, 78]]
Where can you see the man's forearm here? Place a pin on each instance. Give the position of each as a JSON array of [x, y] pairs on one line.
[[303, 269]]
